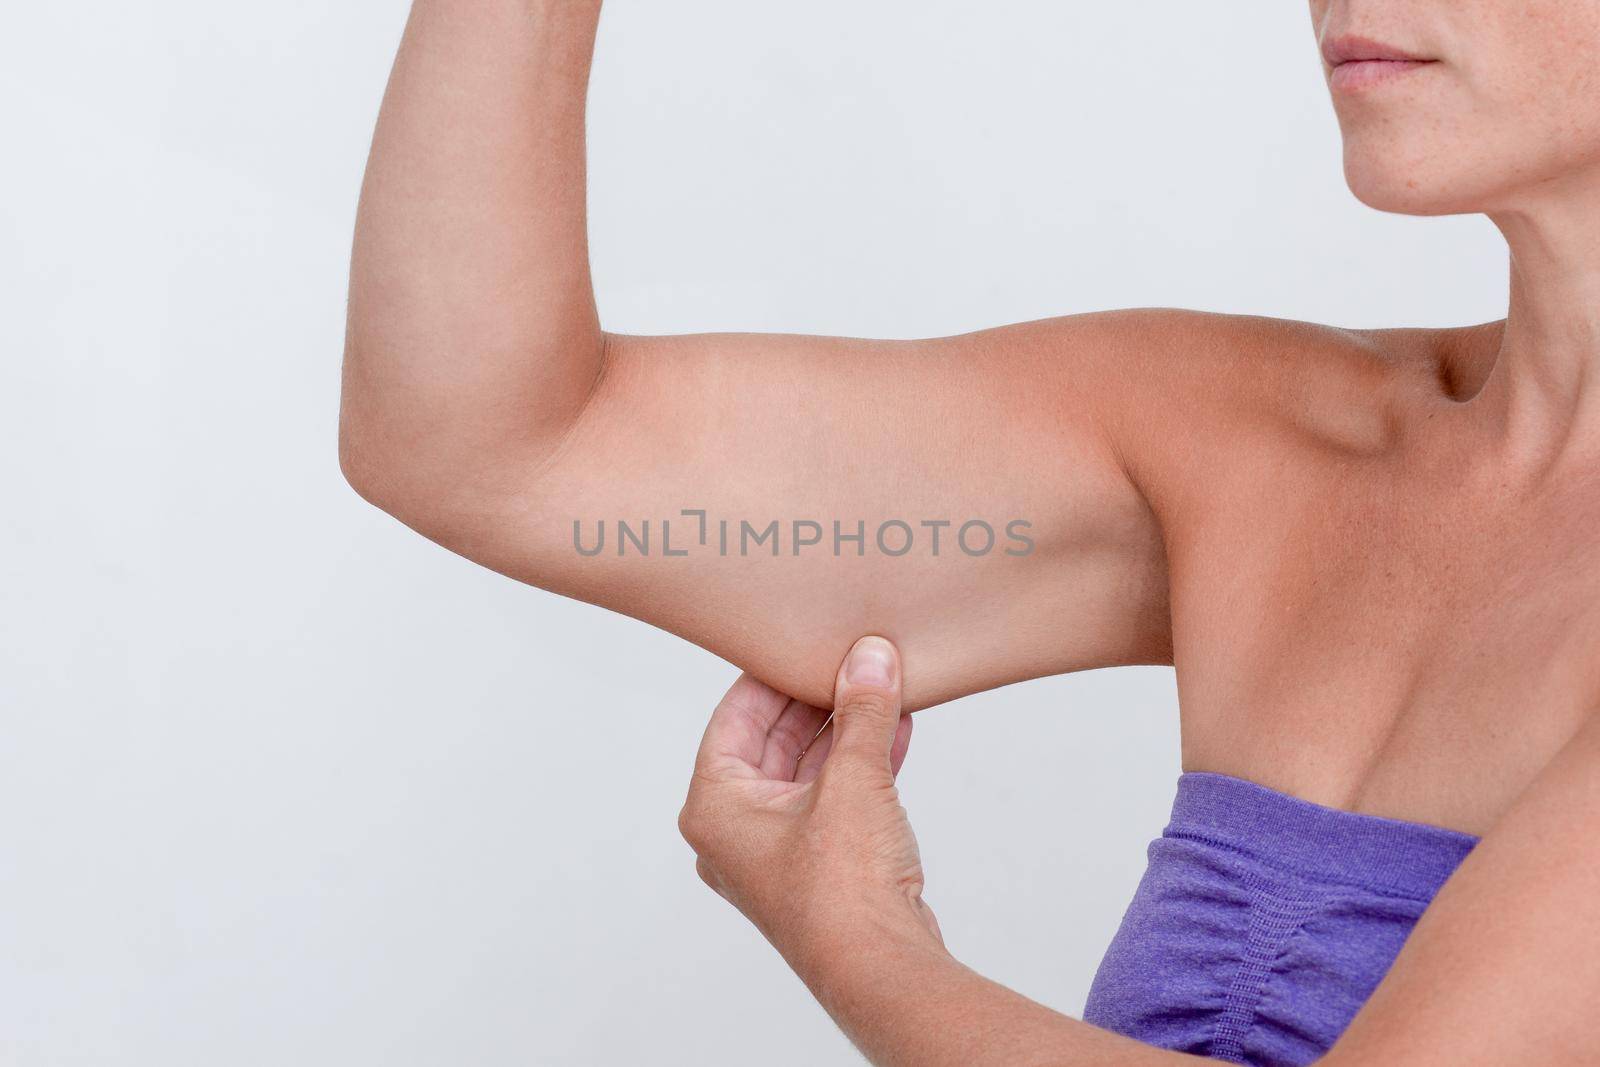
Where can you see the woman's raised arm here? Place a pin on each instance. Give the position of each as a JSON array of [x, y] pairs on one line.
[[768, 497]]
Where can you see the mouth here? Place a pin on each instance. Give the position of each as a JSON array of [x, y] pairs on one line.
[[1356, 63]]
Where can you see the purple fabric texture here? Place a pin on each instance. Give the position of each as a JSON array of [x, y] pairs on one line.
[[1263, 922]]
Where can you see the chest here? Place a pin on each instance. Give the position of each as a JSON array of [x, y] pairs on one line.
[[1383, 633]]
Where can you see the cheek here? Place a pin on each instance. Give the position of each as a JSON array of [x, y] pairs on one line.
[[1536, 107], [1532, 87]]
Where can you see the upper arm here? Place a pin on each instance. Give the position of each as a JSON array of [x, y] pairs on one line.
[[1022, 430], [1504, 966], [484, 406]]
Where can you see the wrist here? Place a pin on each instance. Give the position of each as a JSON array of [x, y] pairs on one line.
[[865, 937]]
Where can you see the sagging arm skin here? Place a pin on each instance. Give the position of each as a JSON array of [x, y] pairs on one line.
[[484, 406]]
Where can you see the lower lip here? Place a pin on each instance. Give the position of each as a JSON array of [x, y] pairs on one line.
[[1366, 73]]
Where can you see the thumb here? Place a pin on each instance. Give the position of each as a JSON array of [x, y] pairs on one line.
[[866, 702]]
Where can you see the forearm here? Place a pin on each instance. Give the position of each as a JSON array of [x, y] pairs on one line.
[[903, 999], [472, 324]]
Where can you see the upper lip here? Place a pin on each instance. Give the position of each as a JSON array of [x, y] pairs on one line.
[[1353, 49]]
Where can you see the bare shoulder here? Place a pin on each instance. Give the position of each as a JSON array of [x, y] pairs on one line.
[[1198, 403], [1222, 363], [1251, 366]]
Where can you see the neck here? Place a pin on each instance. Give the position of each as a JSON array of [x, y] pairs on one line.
[[1545, 382]]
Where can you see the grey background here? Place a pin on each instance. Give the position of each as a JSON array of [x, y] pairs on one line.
[[282, 783]]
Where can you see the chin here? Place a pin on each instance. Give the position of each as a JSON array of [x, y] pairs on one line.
[[1409, 169], [1409, 180], [1386, 189]]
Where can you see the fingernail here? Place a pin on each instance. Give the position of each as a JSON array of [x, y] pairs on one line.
[[871, 662]]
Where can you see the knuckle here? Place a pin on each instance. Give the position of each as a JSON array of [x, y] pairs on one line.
[[853, 772], [703, 869], [692, 824], [703, 824], [871, 704]]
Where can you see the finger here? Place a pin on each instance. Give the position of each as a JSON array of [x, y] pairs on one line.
[[866, 703], [736, 736], [815, 755], [902, 744], [930, 918], [795, 729]]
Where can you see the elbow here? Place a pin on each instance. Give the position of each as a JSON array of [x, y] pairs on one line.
[[378, 473], [390, 454], [451, 490], [378, 459], [360, 465], [444, 455], [361, 461], [394, 479], [405, 475]]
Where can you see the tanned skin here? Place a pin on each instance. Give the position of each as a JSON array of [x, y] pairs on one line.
[[1369, 554]]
